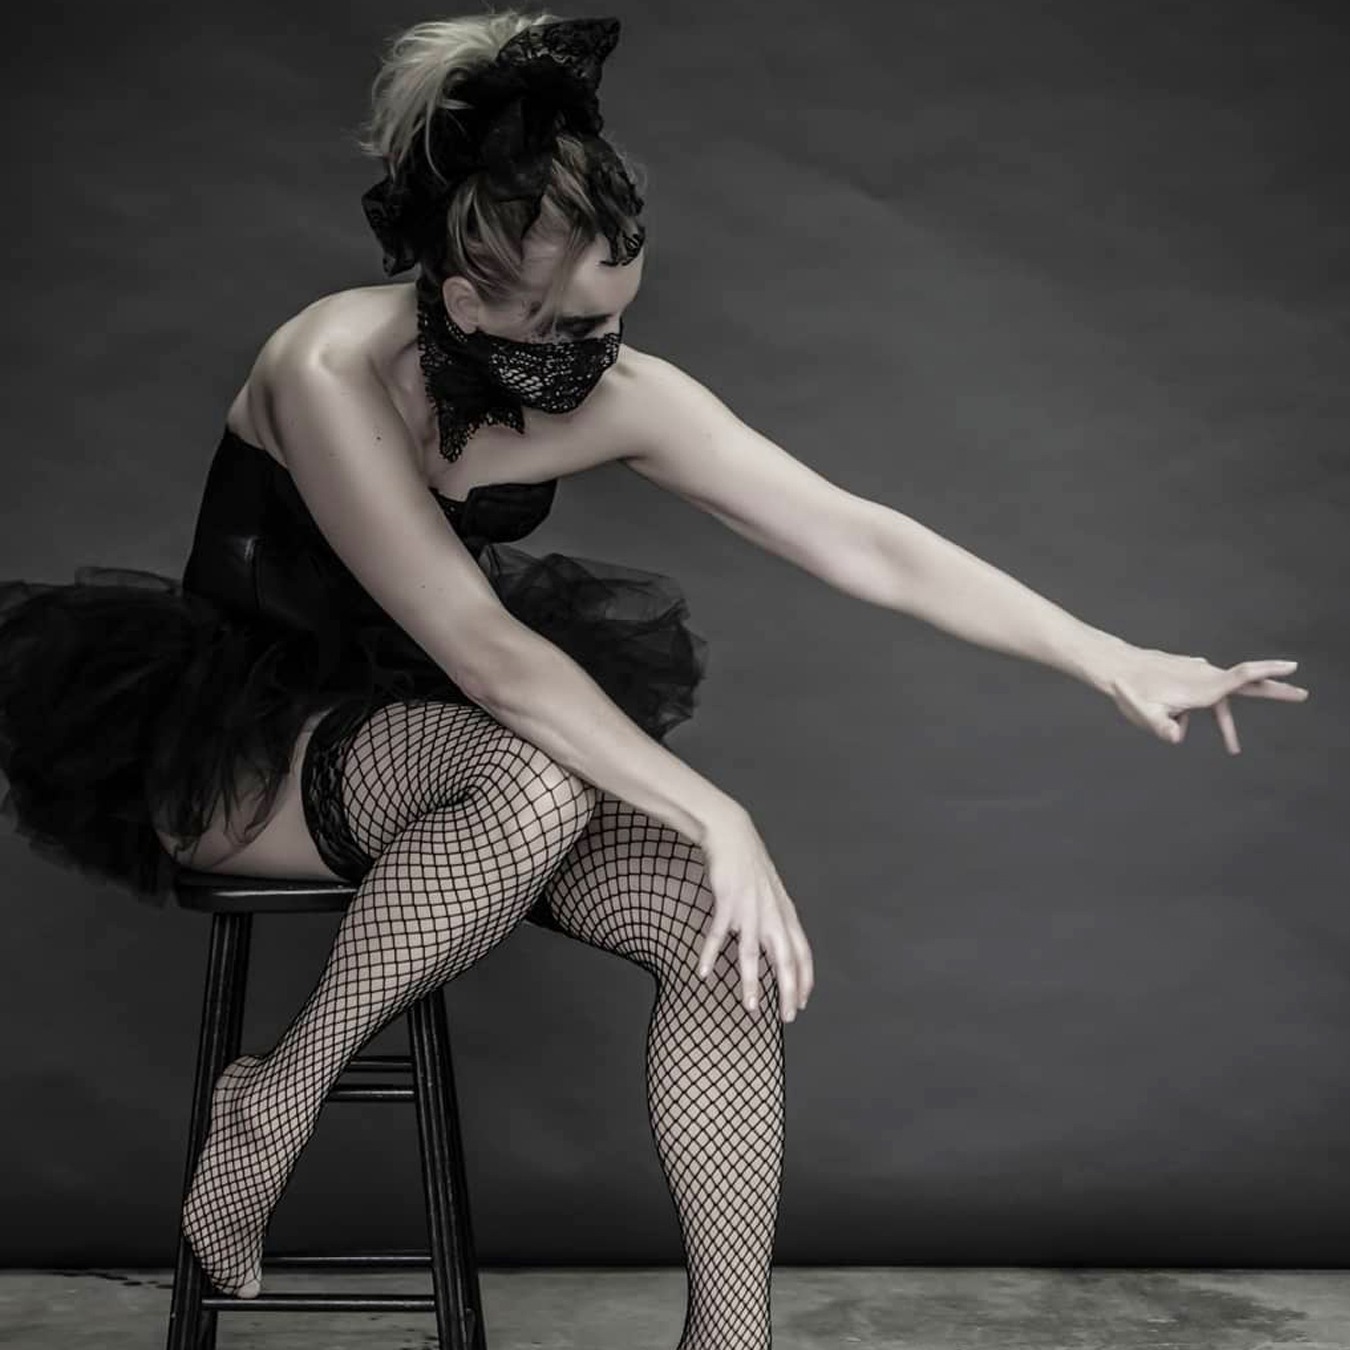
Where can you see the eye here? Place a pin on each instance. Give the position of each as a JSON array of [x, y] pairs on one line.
[[573, 331], [548, 332]]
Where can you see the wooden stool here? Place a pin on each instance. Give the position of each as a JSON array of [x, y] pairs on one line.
[[232, 902]]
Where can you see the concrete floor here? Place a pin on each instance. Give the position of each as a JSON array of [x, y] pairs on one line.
[[607, 1309]]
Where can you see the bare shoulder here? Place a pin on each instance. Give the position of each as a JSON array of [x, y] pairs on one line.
[[641, 394], [343, 327], [634, 370], [603, 429], [659, 405], [345, 332]]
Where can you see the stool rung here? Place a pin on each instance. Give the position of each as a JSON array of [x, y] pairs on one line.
[[379, 1064], [376, 1092], [356, 1260], [322, 1303]]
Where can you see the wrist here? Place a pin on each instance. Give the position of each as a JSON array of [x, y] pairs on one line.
[[1096, 657], [720, 815]]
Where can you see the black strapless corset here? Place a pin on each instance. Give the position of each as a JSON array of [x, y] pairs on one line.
[[256, 548]]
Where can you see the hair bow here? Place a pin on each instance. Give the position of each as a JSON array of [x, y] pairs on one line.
[[544, 80]]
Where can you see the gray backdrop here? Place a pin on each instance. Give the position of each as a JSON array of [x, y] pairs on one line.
[[1067, 283]]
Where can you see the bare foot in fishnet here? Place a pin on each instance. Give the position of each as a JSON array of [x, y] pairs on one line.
[[239, 1177]]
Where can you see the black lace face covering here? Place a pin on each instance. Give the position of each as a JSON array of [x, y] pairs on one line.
[[476, 378]]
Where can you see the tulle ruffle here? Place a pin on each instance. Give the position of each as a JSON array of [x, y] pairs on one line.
[[126, 701]]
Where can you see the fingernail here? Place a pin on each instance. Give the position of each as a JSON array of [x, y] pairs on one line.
[[752, 1004]]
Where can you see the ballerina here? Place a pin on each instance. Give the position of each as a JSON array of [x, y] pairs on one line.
[[361, 677]]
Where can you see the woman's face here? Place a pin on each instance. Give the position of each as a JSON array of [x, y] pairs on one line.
[[592, 305]]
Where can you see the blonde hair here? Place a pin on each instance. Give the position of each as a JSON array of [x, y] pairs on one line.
[[484, 238]]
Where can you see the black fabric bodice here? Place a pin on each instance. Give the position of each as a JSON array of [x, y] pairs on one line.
[[257, 550], [131, 701]]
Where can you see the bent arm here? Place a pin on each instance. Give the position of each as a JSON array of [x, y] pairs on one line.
[[353, 462], [538, 691]]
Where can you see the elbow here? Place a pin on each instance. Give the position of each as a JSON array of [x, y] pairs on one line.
[[493, 660]]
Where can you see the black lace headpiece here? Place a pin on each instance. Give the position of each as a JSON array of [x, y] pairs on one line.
[[543, 81]]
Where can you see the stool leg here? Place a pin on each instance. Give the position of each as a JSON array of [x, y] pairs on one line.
[[454, 1265], [190, 1328]]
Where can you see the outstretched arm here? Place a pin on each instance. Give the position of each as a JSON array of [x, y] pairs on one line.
[[688, 441]]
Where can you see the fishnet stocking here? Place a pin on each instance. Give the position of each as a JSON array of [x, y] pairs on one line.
[[715, 1088], [469, 824], [464, 820]]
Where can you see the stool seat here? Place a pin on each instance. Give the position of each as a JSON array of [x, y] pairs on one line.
[[225, 893], [232, 901]]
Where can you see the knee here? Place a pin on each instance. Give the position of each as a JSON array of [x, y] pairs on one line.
[[642, 886], [670, 924], [667, 913], [531, 789]]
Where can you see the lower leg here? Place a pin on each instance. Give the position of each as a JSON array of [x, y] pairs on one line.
[[465, 822], [715, 1071], [715, 1093]]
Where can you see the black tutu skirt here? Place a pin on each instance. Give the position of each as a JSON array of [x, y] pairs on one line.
[[126, 701]]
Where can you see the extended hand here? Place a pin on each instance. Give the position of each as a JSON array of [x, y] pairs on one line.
[[1155, 690]]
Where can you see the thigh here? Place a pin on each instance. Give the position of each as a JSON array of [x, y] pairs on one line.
[[414, 757], [283, 847]]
